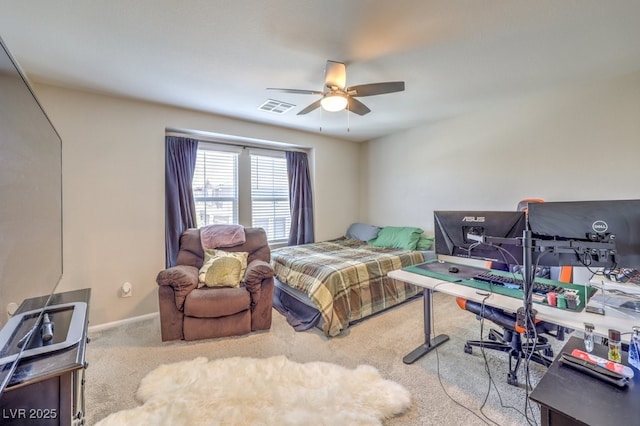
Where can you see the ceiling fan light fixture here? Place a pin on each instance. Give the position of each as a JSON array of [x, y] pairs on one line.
[[337, 97], [334, 102]]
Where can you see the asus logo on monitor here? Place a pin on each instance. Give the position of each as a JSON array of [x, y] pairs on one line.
[[475, 219]]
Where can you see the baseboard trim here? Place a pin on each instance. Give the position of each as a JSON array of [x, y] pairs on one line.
[[108, 325]]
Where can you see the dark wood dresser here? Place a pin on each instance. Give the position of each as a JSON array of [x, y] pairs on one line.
[[48, 389]]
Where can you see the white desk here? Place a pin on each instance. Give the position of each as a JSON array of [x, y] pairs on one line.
[[570, 319]]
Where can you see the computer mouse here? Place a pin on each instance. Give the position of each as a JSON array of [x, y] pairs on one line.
[[453, 270]]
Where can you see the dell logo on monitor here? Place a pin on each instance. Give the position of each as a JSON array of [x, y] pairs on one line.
[[473, 219], [600, 226]]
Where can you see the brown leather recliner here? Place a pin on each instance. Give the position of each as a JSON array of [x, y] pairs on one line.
[[191, 313]]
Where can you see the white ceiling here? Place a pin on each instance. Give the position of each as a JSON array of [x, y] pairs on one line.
[[221, 55]]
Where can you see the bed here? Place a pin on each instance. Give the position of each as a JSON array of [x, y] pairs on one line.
[[332, 284]]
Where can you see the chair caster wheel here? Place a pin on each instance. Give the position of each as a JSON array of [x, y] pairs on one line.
[[548, 352], [468, 349], [512, 379]]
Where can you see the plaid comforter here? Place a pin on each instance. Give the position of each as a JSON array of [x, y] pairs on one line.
[[346, 279]]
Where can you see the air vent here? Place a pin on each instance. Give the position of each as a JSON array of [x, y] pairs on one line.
[[276, 107]]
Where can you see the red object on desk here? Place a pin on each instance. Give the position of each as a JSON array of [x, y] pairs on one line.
[[602, 362]]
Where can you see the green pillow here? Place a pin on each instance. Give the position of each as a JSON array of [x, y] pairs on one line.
[[222, 269], [402, 237], [424, 243]]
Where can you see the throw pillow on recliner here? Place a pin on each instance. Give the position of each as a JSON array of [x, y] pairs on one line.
[[222, 269]]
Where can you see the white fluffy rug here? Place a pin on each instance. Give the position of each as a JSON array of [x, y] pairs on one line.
[[271, 391]]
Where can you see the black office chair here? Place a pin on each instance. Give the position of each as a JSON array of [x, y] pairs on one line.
[[510, 340]]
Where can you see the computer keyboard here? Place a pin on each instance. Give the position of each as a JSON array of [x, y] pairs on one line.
[[515, 283], [495, 279]]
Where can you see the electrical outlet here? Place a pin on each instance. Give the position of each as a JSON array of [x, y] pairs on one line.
[[126, 290]]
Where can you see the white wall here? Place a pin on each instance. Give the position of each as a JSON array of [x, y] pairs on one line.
[[570, 144], [113, 190], [578, 143]]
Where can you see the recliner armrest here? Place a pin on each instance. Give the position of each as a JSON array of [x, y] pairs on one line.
[[257, 271], [182, 278]]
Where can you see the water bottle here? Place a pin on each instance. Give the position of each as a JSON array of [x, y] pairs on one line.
[[634, 348], [588, 337]]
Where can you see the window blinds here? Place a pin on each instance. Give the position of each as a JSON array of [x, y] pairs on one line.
[[270, 195], [215, 187], [223, 194]]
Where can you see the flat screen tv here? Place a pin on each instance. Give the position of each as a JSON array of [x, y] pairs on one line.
[[603, 233], [457, 234], [30, 225]]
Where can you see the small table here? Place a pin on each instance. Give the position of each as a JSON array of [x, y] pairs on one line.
[[570, 397]]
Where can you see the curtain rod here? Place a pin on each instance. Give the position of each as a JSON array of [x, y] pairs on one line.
[[235, 140]]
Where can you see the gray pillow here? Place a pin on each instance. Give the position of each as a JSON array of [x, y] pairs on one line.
[[362, 231]]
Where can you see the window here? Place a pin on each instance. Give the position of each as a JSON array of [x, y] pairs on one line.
[[232, 185], [215, 187], [270, 196]]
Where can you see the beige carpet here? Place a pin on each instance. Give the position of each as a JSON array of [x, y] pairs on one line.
[[441, 383]]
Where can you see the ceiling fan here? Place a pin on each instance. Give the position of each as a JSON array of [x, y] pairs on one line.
[[337, 96]]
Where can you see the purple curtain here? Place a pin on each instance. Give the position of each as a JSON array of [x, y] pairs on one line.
[[300, 199], [180, 212]]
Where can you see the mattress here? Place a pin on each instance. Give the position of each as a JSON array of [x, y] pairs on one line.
[[335, 283]]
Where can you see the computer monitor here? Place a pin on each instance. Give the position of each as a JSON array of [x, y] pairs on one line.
[[457, 232], [586, 230]]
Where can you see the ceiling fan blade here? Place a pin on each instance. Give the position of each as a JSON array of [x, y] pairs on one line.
[[376, 88], [310, 108], [358, 107], [335, 75], [298, 91]]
